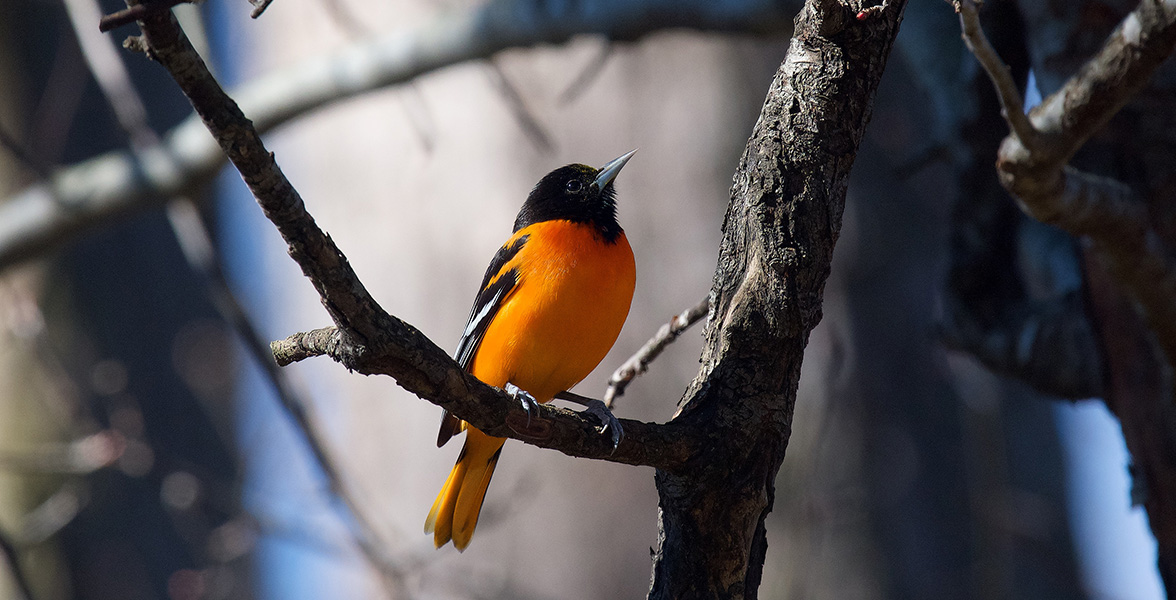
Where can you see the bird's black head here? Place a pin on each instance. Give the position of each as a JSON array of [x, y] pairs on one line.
[[576, 193]]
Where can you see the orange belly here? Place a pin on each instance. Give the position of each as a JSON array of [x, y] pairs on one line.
[[564, 314]]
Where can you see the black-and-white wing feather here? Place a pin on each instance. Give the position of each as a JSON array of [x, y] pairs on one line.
[[492, 293]]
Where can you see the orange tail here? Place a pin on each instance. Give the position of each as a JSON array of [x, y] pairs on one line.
[[455, 513]]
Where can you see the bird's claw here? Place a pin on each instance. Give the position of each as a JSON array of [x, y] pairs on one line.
[[608, 421], [523, 397]]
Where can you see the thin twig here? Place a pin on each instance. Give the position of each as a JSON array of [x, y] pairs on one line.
[[259, 7], [111, 74], [1011, 105], [639, 362], [131, 14]]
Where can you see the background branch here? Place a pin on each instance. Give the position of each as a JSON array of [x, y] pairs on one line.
[[1107, 212], [86, 195], [1085, 205], [199, 251], [1119, 226], [1011, 106]]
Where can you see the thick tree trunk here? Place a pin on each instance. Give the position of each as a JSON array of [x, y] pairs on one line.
[[778, 236]]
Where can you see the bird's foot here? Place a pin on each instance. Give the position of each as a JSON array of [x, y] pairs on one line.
[[608, 421], [523, 397]]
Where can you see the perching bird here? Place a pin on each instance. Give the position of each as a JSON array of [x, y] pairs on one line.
[[550, 306]]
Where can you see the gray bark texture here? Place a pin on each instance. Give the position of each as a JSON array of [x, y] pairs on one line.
[[782, 222]]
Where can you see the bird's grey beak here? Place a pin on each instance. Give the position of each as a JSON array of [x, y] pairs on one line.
[[609, 172]]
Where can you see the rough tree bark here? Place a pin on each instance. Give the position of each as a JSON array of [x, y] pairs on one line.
[[718, 457], [782, 222]]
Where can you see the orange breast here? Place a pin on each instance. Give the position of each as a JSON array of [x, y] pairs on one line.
[[572, 298]]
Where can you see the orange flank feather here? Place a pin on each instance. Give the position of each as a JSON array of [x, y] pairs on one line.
[[551, 329]]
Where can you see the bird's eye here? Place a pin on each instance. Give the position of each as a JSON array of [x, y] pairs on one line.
[[574, 186]]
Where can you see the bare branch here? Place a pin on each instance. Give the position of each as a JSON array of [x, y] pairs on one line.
[[134, 13], [1043, 338], [1118, 225], [86, 195], [664, 446], [259, 7], [327, 341], [783, 219], [1085, 205], [1117, 222], [372, 341], [639, 362], [1123, 66], [1011, 106]]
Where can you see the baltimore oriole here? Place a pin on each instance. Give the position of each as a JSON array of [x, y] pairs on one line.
[[549, 308]]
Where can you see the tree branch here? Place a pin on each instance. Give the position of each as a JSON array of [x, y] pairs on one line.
[[131, 14], [718, 458], [639, 362], [990, 311], [1011, 106], [1119, 226], [370, 340], [1086, 205], [778, 236]]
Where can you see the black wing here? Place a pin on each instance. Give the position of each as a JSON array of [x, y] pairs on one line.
[[486, 306]]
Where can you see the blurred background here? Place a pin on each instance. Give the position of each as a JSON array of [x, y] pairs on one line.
[[144, 452]]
